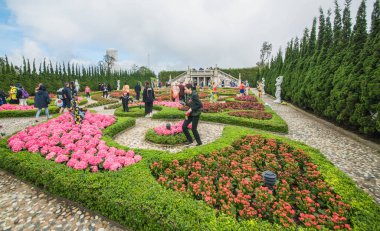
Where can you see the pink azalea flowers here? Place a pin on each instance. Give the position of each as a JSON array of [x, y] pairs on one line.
[[14, 107], [77, 146], [167, 103], [175, 129]]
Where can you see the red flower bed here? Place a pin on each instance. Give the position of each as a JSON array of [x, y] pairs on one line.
[[231, 181], [118, 94], [260, 115], [219, 107], [246, 98]]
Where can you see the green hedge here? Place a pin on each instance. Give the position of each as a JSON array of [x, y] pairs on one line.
[[28, 113], [134, 111], [276, 124], [133, 198], [153, 137]]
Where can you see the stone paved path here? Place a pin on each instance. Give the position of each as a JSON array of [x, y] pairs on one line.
[[356, 159], [23, 207], [135, 137]]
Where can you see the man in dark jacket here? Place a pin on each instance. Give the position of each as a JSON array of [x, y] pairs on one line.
[[138, 90], [66, 93], [42, 100], [148, 98], [192, 115]]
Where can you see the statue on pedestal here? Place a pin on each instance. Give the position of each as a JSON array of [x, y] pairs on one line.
[[263, 85], [118, 85], [76, 85], [279, 80]]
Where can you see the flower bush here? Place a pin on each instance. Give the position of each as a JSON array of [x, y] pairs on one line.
[[220, 107], [77, 146], [167, 103], [230, 180], [174, 129], [246, 98], [260, 115], [163, 135], [14, 107]]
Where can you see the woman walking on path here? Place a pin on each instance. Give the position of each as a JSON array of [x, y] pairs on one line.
[[148, 98], [192, 115], [42, 100]]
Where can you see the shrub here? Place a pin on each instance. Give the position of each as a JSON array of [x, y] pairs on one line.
[[230, 180], [259, 115], [152, 136]]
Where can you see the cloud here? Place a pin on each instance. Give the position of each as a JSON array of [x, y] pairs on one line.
[[176, 34]]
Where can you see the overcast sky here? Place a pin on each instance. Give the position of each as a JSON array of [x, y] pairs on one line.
[[175, 33]]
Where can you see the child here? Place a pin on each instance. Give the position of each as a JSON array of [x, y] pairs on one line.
[[125, 101]]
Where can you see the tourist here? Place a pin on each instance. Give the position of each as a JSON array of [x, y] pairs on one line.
[[176, 90], [42, 100], [125, 101], [13, 94], [87, 90], [24, 96], [73, 89], [242, 89], [138, 90], [66, 95], [181, 92], [100, 87], [148, 98], [109, 88], [2, 97], [192, 115], [105, 90]]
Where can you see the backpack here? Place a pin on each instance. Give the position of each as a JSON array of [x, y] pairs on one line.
[[24, 94], [60, 93], [149, 94]]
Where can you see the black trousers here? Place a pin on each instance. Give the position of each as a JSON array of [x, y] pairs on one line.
[[137, 95], [194, 120], [148, 107], [125, 105]]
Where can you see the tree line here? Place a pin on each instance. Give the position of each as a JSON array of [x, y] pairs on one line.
[[333, 70], [53, 76]]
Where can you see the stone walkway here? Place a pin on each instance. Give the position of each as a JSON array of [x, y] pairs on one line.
[[357, 160], [135, 137], [23, 207]]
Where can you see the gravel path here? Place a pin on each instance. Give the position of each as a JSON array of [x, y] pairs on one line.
[[135, 137], [360, 162], [12, 125], [23, 207]]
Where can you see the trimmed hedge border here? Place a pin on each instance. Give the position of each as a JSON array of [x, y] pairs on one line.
[[133, 198], [134, 111], [276, 124], [27, 113]]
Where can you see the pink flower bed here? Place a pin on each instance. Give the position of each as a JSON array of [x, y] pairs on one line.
[[14, 107], [167, 103], [76, 146], [175, 129]]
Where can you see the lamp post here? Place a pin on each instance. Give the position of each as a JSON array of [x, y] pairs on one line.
[[270, 179]]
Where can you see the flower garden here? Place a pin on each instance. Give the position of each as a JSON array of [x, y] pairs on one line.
[[167, 134], [217, 186]]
